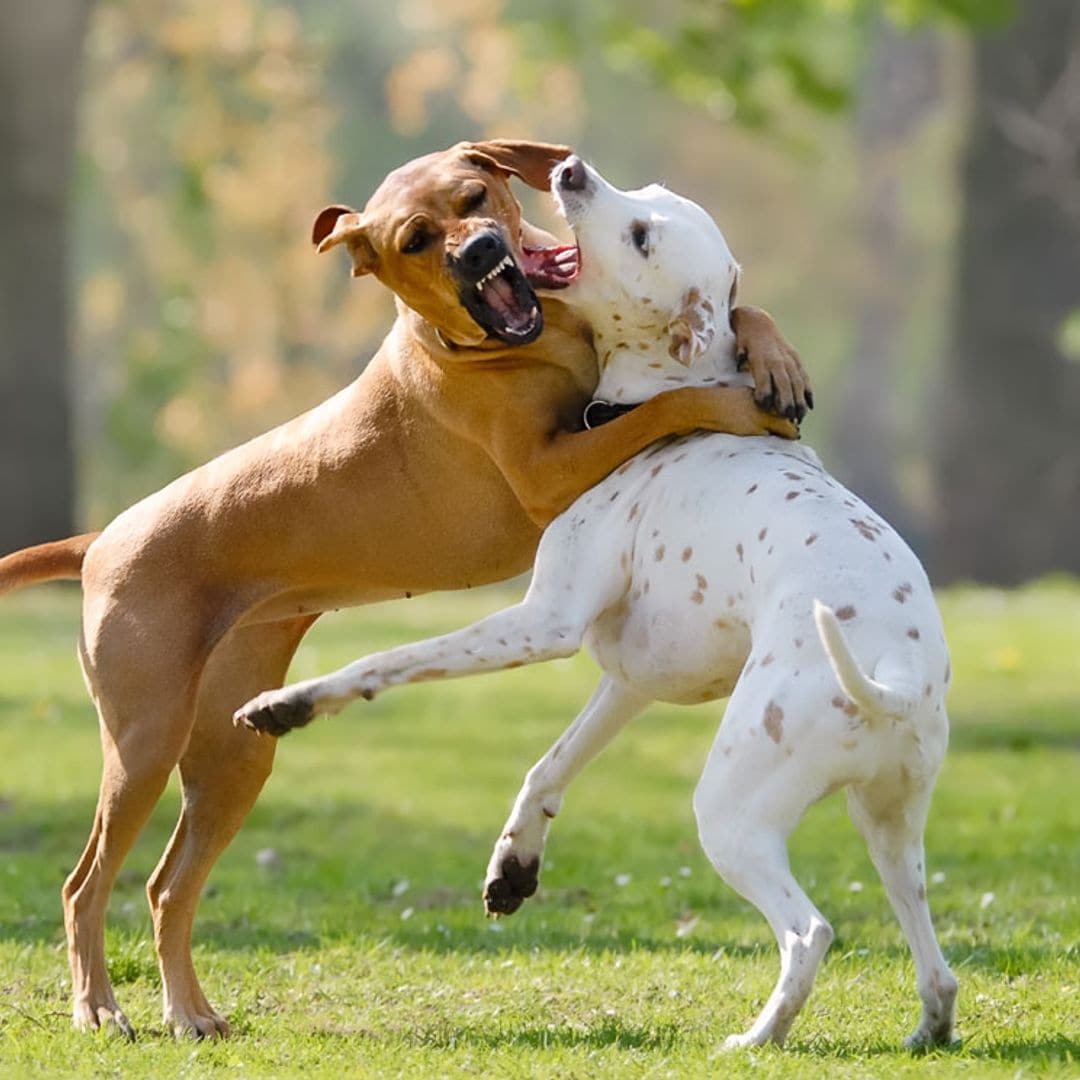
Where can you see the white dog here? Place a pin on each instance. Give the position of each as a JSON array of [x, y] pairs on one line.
[[710, 566]]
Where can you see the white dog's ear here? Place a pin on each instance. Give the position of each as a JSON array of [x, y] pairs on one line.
[[692, 329]]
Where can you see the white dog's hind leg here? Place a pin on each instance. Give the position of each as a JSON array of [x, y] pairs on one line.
[[893, 829], [750, 797], [513, 871]]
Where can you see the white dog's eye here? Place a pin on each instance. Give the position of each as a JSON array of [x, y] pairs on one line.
[[639, 236]]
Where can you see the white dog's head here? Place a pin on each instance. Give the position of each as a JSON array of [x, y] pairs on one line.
[[656, 282]]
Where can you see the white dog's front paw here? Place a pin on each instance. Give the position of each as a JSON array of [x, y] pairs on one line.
[[510, 882], [276, 712]]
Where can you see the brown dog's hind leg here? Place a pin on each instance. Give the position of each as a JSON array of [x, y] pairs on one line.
[[143, 732], [222, 772]]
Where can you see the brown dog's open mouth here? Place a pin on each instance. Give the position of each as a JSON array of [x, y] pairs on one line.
[[504, 302]]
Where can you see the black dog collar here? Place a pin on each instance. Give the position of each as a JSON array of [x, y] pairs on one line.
[[599, 412]]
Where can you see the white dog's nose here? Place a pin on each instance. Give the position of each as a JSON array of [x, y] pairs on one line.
[[572, 175]]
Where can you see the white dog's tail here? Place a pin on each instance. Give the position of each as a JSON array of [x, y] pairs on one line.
[[872, 697]]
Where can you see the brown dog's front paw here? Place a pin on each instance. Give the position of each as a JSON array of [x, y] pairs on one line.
[[275, 713], [512, 885], [781, 384]]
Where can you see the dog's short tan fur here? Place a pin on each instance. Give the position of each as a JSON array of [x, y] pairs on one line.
[[435, 469]]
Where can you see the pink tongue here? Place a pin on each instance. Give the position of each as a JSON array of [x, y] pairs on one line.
[[500, 295]]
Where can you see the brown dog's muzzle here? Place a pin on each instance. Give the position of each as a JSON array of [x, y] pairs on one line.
[[494, 290]]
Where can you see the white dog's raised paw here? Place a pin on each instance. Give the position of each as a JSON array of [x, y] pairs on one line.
[[276, 712], [511, 885]]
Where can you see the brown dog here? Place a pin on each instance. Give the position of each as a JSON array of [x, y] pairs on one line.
[[436, 469]]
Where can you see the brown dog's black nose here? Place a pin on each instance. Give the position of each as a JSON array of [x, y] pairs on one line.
[[572, 175], [481, 253]]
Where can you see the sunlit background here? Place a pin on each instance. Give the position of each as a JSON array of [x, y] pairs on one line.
[[901, 182]]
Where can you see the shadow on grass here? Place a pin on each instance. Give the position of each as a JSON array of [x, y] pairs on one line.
[[613, 1033]]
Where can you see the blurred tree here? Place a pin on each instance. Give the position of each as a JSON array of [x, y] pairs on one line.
[[900, 85], [1009, 453], [40, 46]]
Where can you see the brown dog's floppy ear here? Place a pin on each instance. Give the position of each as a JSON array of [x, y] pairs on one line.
[[529, 161], [342, 225], [692, 329]]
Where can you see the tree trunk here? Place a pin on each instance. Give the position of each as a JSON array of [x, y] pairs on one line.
[[900, 85], [40, 46], [1008, 468]]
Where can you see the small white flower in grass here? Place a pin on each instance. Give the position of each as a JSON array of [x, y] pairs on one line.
[[937, 878], [400, 888], [622, 880], [684, 871], [588, 919], [406, 913], [855, 886], [267, 858], [685, 926], [665, 882], [495, 927], [986, 900]]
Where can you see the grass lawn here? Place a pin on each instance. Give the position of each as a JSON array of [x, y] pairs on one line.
[[343, 935]]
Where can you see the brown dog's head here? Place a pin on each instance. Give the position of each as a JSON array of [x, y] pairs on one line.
[[445, 233]]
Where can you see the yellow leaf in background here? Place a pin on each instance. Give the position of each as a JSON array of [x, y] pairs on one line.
[[180, 424], [1006, 658], [254, 385], [102, 301]]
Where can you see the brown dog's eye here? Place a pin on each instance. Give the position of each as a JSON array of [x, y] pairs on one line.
[[417, 242], [474, 200]]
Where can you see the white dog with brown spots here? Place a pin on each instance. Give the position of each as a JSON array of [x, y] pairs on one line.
[[710, 566]]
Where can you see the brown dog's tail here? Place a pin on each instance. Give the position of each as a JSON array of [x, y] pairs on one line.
[[45, 562]]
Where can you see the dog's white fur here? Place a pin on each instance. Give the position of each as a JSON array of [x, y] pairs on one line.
[[705, 567]]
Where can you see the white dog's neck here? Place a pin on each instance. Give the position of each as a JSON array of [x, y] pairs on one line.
[[636, 370]]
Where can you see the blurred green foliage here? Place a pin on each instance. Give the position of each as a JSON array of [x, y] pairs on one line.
[[731, 56]]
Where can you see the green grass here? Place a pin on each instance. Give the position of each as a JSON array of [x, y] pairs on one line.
[[364, 951]]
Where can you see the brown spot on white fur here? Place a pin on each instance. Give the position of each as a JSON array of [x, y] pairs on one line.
[[686, 553], [764, 532], [791, 495], [697, 597], [774, 722], [810, 539], [658, 555], [848, 708], [901, 593], [913, 633], [751, 489], [846, 612], [702, 583]]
